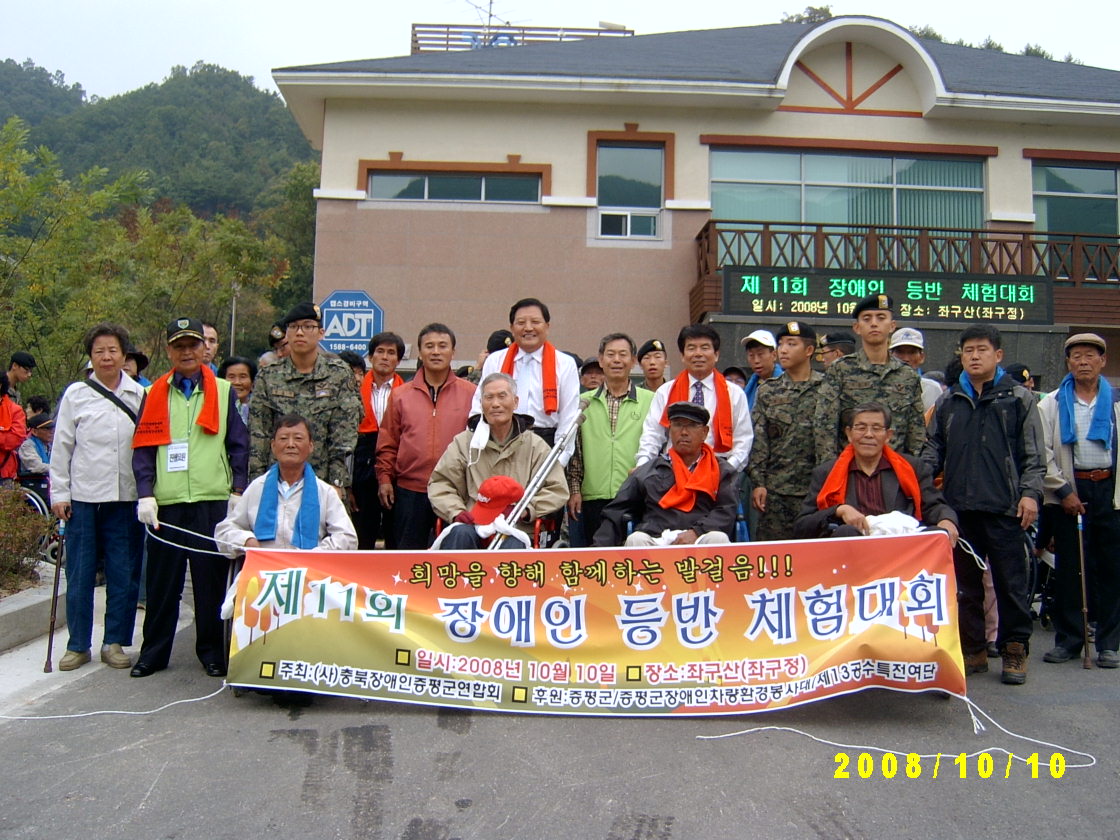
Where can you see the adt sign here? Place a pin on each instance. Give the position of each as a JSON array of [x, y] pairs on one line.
[[350, 320]]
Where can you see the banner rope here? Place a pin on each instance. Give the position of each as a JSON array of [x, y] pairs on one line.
[[192, 549], [214, 693], [977, 728]]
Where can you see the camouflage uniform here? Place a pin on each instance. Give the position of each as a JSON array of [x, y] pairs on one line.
[[852, 380], [784, 450], [327, 397]]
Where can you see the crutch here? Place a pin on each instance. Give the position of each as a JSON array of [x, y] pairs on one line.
[[542, 473], [48, 666], [1086, 660]]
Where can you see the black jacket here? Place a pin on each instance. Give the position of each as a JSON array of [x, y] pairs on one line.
[[991, 449], [812, 523]]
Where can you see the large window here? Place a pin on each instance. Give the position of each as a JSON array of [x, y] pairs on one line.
[[841, 189], [1076, 199], [455, 186], [630, 189]]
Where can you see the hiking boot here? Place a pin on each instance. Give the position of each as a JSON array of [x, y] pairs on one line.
[[1108, 659], [115, 657], [976, 663], [73, 659], [1059, 654], [1014, 663]]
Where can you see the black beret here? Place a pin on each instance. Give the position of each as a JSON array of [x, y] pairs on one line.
[[688, 411], [650, 346], [842, 337], [306, 311], [798, 329], [874, 302], [499, 340], [275, 335]]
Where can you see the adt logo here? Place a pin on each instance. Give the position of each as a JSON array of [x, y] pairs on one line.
[[350, 320]]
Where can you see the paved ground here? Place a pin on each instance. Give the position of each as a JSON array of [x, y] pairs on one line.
[[248, 767]]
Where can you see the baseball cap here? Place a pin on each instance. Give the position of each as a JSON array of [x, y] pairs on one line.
[[495, 494], [908, 337], [763, 337]]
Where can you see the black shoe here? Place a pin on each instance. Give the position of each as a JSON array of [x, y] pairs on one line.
[[142, 669], [993, 650], [215, 670], [1059, 654]]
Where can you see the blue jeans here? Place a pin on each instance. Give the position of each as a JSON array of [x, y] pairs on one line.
[[112, 527]]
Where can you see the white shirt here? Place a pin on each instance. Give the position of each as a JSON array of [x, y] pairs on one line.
[[91, 457], [655, 436], [527, 373], [379, 398], [336, 531]]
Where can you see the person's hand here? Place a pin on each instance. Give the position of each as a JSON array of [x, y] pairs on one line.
[[61, 510], [758, 498], [1072, 505], [234, 498], [147, 511], [950, 528], [850, 516], [464, 517], [575, 504], [687, 537], [1027, 512], [385, 495], [252, 542]]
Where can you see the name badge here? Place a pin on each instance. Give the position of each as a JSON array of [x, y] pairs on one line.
[[176, 457]]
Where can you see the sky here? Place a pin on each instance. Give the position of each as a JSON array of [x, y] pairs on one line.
[[113, 46]]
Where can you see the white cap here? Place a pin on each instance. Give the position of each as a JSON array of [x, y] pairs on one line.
[[763, 337], [907, 337]]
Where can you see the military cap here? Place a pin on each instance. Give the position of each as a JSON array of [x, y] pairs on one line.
[[1019, 372], [306, 311], [688, 411], [842, 337], [23, 359], [42, 420], [275, 335], [654, 344], [875, 302], [588, 364], [184, 328], [797, 329], [499, 340], [1091, 339]]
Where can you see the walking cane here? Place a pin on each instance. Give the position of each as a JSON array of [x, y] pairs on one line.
[[48, 667], [1086, 660]]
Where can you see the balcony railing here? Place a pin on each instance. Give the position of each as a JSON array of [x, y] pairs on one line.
[[451, 37]]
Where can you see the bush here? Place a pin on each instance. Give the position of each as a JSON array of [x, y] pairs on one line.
[[23, 531]]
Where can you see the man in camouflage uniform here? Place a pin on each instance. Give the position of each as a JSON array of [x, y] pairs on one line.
[[313, 385], [784, 451], [870, 374]]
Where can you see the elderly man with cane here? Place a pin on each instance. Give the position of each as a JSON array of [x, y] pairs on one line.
[[1080, 420]]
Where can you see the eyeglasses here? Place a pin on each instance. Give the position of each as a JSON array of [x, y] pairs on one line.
[[864, 428], [304, 328]]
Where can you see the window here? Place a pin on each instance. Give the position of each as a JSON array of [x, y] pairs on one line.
[[630, 189], [846, 189], [455, 186], [1076, 199]]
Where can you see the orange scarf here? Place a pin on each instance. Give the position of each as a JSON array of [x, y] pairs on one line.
[[835, 488], [721, 427], [548, 374], [154, 426], [703, 478], [369, 419]]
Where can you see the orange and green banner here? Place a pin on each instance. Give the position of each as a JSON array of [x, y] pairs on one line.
[[693, 630]]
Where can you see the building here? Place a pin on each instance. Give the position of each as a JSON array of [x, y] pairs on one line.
[[617, 179]]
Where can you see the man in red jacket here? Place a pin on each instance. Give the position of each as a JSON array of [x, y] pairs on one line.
[[422, 418]]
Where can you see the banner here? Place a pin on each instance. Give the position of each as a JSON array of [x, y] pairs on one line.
[[694, 630]]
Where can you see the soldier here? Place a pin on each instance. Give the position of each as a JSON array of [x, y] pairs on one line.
[[654, 363], [313, 385], [870, 374], [835, 345], [783, 455]]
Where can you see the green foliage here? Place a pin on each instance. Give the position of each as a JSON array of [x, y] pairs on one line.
[[74, 252], [287, 211], [1037, 51], [34, 94], [926, 33], [812, 14], [22, 532], [991, 44]]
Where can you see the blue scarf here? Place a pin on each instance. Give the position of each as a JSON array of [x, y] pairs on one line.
[[970, 389], [42, 450], [1100, 425], [751, 388], [306, 532]]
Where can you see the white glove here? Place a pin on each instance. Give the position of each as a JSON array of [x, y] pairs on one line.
[[231, 504], [147, 511], [501, 525], [893, 523]]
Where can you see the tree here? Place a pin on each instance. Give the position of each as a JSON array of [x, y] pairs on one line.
[[812, 14], [34, 94], [991, 44], [1037, 51], [287, 211], [926, 33]]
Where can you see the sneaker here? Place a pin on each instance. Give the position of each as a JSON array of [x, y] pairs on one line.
[[1059, 654], [1014, 663], [1108, 659], [73, 659], [115, 657], [976, 663]]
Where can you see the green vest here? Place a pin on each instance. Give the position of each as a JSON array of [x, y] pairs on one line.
[[208, 476], [608, 458]]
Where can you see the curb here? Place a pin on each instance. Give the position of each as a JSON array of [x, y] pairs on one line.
[[26, 615]]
